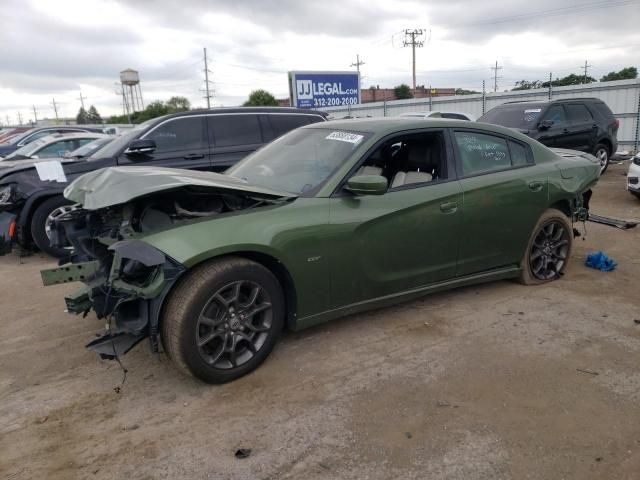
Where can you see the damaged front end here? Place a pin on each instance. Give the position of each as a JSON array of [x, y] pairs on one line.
[[125, 278], [126, 287]]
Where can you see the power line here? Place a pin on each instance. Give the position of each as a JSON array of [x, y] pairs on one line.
[[495, 76], [572, 9], [413, 38]]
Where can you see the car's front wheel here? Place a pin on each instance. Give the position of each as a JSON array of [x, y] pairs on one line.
[[602, 154], [548, 250], [42, 220], [223, 319]]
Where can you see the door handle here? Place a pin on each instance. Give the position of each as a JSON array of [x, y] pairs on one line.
[[566, 130], [449, 207], [193, 156], [536, 186]]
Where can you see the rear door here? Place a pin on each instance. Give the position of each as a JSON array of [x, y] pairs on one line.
[[553, 136], [233, 136], [181, 142], [581, 126], [504, 195]]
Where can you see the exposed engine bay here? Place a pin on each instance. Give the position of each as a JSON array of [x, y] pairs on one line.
[[125, 278]]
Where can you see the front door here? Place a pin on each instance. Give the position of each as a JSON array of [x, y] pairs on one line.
[[406, 238], [504, 195], [181, 142]]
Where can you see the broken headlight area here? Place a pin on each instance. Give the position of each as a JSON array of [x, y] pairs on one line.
[[125, 287]]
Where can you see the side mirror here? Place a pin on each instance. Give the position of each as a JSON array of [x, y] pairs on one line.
[[141, 147], [367, 185], [545, 124]]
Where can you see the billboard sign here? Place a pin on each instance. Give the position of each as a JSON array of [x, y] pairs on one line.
[[324, 89]]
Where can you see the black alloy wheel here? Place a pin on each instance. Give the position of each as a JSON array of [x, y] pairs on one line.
[[234, 324], [549, 250]]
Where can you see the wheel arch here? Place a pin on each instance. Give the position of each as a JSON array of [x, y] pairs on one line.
[[271, 263], [29, 208], [564, 205], [607, 143]]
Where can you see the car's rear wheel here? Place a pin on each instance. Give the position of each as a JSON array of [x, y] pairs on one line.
[[223, 319], [602, 154], [548, 250], [42, 220]]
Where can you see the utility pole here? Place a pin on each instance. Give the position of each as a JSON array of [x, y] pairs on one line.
[[358, 63], [19, 119], [495, 76], [206, 80], [55, 108], [550, 85], [8, 120], [586, 67], [82, 99], [413, 38], [35, 114]]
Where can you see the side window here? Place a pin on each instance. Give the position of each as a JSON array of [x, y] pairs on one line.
[[234, 130], [578, 113], [282, 124], [185, 133], [56, 149], [481, 153], [518, 154], [413, 159], [37, 135], [455, 116], [555, 114]]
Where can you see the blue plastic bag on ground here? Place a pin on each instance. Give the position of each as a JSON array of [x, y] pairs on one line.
[[600, 261]]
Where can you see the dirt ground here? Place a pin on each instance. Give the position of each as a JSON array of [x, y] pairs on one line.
[[498, 381]]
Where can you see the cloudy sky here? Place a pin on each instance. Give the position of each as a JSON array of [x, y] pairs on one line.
[[57, 49]]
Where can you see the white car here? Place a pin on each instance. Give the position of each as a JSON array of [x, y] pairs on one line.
[[436, 114], [45, 148], [633, 176]]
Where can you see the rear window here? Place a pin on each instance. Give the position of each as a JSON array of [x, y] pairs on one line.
[[578, 113], [602, 110], [524, 116]]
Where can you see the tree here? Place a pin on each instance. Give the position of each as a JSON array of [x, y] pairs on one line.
[[624, 74], [93, 116], [527, 85], [261, 98], [402, 91], [573, 79], [462, 91], [178, 104], [82, 117]]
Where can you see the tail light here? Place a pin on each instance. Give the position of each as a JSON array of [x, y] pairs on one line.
[[616, 123]]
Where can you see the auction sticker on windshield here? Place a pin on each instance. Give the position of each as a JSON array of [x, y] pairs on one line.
[[345, 137]]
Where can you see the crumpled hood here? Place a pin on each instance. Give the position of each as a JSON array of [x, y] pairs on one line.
[[115, 185]]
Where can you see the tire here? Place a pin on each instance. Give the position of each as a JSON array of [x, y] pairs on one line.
[[195, 312], [39, 225], [533, 270], [603, 155]]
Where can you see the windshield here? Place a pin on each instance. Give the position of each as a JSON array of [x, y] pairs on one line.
[[20, 136], [27, 150], [89, 148], [300, 160], [114, 147], [524, 116]]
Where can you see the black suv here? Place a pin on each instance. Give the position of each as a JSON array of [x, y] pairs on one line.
[[199, 139], [585, 124]]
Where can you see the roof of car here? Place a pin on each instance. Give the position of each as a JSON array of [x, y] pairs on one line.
[[70, 136], [558, 100], [219, 110]]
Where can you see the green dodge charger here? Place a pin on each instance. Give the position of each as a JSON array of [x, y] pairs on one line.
[[328, 220]]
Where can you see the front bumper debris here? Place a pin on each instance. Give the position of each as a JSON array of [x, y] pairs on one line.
[[127, 287], [7, 232]]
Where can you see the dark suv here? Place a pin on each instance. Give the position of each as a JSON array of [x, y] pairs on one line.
[[585, 124], [200, 139]]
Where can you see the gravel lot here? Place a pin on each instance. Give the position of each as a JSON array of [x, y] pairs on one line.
[[498, 381]]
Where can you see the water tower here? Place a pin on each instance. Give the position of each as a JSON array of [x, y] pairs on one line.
[[131, 91]]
